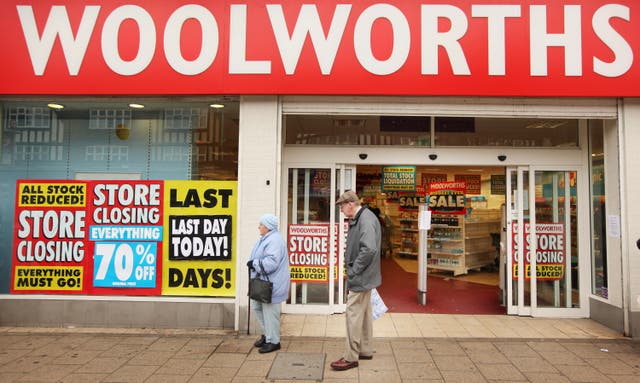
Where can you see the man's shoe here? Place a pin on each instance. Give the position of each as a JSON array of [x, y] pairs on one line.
[[269, 347], [260, 342], [341, 364], [365, 357]]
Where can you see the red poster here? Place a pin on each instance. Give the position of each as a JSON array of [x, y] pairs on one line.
[[309, 253], [473, 181], [309, 250], [550, 251], [125, 232], [447, 198], [428, 178], [50, 247], [88, 237]]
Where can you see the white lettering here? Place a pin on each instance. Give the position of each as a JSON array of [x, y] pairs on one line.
[[496, 15], [308, 22], [238, 63], [401, 39], [147, 40], [570, 40], [209, 48], [620, 47], [57, 25], [432, 38], [611, 53]]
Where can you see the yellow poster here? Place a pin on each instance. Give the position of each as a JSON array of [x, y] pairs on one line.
[[46, 278], [198, 252]]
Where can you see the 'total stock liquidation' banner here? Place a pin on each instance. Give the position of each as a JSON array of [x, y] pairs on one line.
[[550, 251], [116, 238]]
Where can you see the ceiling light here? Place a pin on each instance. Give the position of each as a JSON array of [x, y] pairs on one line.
[[136, 106], [55, 106], [217, 106], [545, 125]]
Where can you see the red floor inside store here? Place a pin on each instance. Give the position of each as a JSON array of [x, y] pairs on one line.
[[444, 295]]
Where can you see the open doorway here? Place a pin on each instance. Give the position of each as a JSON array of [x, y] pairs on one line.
[[463, 246]]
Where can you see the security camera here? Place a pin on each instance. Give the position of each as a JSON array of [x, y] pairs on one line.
[[363, 156], [433, 157], [502, 157]]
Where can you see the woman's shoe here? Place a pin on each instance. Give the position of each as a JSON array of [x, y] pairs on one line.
[[260, 342], [268, 347]]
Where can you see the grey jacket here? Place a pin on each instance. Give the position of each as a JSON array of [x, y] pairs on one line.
[[362, 255]]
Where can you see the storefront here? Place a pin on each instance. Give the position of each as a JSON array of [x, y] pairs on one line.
[[525, 112], [491, 157]]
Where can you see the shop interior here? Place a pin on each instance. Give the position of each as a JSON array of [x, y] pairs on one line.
[[463, 250]]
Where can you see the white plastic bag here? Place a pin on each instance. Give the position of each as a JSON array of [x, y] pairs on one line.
[[377, 304]]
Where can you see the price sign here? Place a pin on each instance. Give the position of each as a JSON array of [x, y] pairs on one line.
[[130, 264]]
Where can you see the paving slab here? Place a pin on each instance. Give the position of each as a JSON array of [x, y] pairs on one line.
[[298, 366]]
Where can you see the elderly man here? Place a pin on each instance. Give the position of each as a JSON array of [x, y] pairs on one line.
[[362, 258]]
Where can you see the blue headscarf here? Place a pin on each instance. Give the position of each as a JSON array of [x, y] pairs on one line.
[[269, 221]]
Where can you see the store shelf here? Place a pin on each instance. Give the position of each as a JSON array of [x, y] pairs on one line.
[[444, 240], [461, 248], [407, 235]]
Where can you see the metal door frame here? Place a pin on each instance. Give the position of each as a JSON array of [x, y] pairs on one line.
[[583, 243], [338, 186]]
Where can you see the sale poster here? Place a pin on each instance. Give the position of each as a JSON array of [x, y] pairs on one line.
[[199, 241], [411, 201], [447, 197], [398, 178], [473, 182], [50, 247], [309, 249], [124, 238], [428, 178], [550, 251]]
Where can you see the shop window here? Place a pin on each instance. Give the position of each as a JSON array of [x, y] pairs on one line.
[[425, 131], [358, 130], [166, 140], [505, 132], [599, 276]]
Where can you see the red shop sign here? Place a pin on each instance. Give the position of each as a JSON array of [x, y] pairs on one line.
[[454, 47]]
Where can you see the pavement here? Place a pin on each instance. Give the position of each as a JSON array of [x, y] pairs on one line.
[[153, 355]]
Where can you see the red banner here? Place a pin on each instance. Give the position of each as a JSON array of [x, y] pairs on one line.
[[309, 250], [88, 237], [473, 182], [447, 197], [455, 47], [104, 237], [550, 251]]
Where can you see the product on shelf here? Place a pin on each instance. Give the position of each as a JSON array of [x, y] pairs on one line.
[[459, 243]]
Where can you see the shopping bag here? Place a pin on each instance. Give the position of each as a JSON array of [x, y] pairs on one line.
[[377, 304]]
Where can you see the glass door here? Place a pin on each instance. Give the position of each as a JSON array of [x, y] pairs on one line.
[[315, 239], [544, 271]]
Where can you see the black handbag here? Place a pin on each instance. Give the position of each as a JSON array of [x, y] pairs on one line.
[[260, 290]]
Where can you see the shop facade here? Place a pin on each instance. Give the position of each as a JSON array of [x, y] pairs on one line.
[[331, 92]]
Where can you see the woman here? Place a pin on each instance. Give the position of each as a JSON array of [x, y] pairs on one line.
[[269, 256]]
